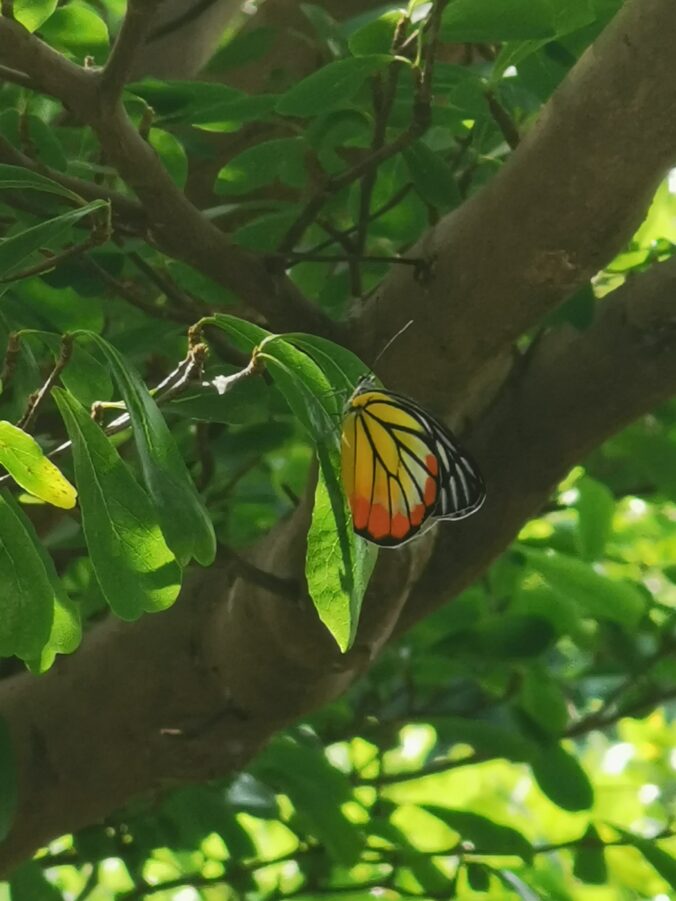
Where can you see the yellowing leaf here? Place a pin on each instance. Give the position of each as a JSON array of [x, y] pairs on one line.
[[24, 460]]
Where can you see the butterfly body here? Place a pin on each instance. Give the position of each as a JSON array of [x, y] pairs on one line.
[[402, 468]]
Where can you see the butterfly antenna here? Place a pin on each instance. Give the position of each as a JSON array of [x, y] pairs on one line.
[[390, 343]]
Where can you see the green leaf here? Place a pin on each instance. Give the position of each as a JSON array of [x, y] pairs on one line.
[[250, 795], [184, 520], [487, 739], [430, 876], [661, 860], [542, 699], [485, 20], [172, 154], [598, 595], [562, 779], [596, 508], [281, 159], [8, 786], [265, 232], [331, 86], [17, 178], [342, 368], [337, 589], [25, 461], [486, 835], [317, 791], [376, 36], [32, 13], [26, 592], [229, 115], [77, 29], [478, 877], [511, 636], [15, 249], [432, 177], [134, 567], [590, 860], [29, 883]]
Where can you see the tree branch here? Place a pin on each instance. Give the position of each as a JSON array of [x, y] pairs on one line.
[[127, 46]]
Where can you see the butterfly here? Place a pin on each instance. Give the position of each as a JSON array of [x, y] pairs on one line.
[[402, 469]]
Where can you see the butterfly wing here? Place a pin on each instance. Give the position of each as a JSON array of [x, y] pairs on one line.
[[401, 466], [390, 474]]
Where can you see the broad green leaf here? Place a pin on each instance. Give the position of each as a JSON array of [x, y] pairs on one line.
[[590, 860], [596, 594], [281, 159], [15, 249], [25, 461], [342, 368], [432, 177], [661, 860], [66, 631], [509, 20], [595, 507], [331, 86], [245, 46], [486, 835], [8, 787], [427, 872], [543, 700], [26, 592], [376, 36], [77, 29], [487, 739], [184, 520], [252, 796], [562, 779], [265, 232], [28, 882], [20, 179], [23, 129], [478, 877], [134, 567], [510, 636], [32, 13], [229, 115], [171, 152], [317, 791], [337, 589]]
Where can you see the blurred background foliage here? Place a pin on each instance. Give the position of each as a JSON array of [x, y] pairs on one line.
[[517, 744]]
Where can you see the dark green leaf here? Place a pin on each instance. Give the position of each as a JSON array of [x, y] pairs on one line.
[[252, 796], [488, 739], [432, 176], [596, 594], [134, 567], [265, 232], [485, 20], [317, 791], [562, 779], [478, 877], [29, 883], [281, 159], [8, 787], [596, 507], [487, 836], [590, 861], [512, 636], [15, 249], [543, 701], [27, 595], [376, 36], [331, 86], [17, 178], [184, 520]]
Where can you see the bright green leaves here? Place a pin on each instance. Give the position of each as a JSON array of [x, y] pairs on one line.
[[315, 377], [134, 567], [184, 520], [24, 460], [29, 591], [32, 13]]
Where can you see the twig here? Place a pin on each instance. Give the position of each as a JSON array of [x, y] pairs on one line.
[[418, 126], [168, 287], [436, 766], [294, 258], [7, 8], [53, 260], [503, 120], [129, 41], [16, 77], [286, 588], [134, 296], [35, 400]]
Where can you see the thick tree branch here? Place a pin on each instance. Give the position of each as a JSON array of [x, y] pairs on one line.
[[238, 664], [128, 45], [565, 203]]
